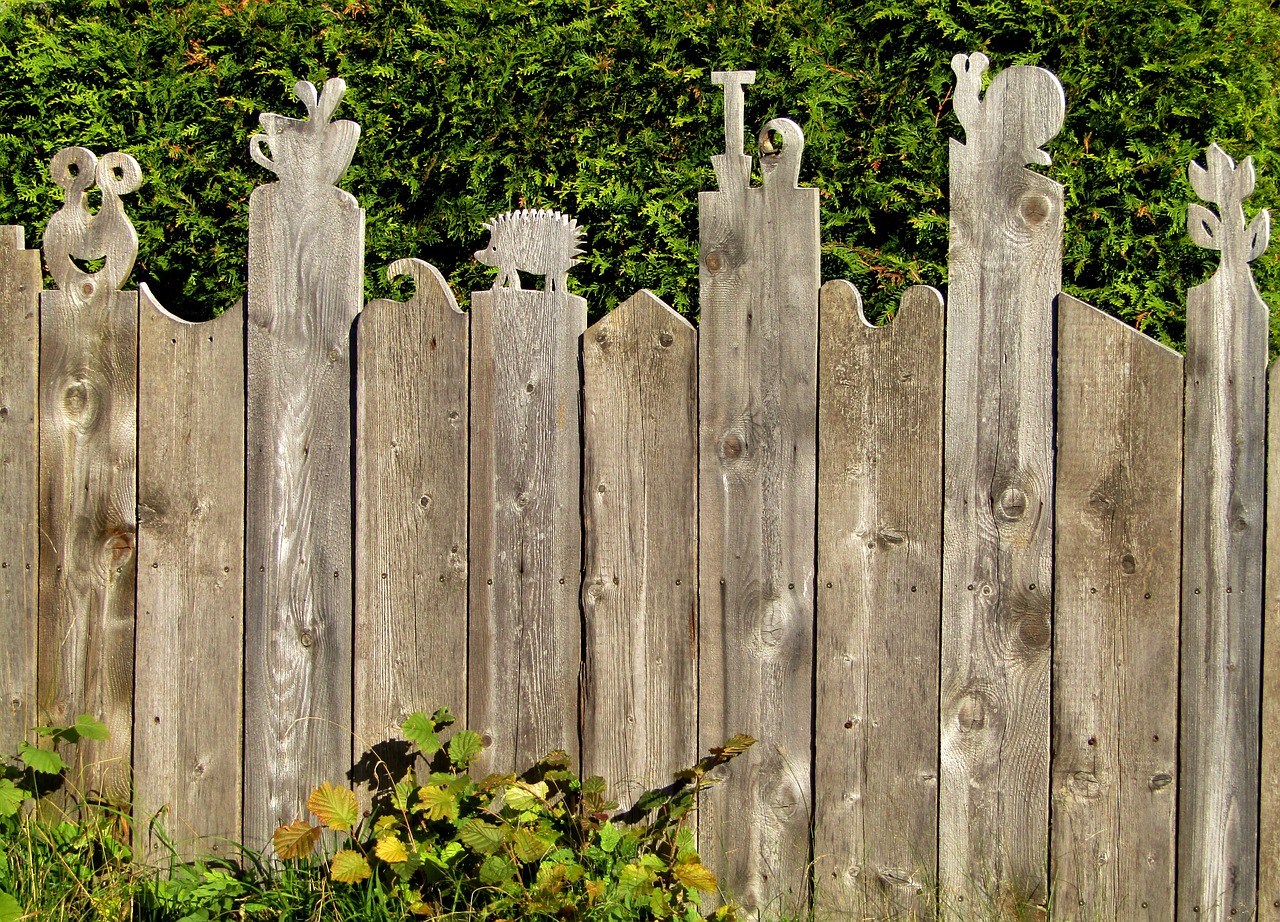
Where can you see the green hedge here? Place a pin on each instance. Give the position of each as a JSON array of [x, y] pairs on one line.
[[606, 110]]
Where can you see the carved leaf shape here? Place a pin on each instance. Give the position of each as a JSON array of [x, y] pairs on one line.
[[1259, 234], [306, 91], [1200, 181], [1203, 226]]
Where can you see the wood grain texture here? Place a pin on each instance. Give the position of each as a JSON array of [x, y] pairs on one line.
[[1115, 672], [526, 526], [411, 506], [757, 385], [190, 633], [306, 285], [879, 585], [1269, 795], [1222, 523], [640, 506], [1005, 270], [20, 285], [88, 436]]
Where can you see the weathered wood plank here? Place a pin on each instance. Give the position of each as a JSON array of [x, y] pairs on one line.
[[1117, 572], [879, 584], [1269, 797], [526, 525], [88, 469], [1222, 523], [20, 285], [306, 285], [1005, 270], [411, 506], [757, 384], [188, 681], [640, 479], [526, 529]]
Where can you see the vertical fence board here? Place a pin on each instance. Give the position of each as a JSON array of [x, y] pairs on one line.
[[306, 286], [190, 634], [20, 285], [1119, 479], [1222, 522], [411, 507], [88, 432], [640, 444], [1269, 798], [879, 584], [526, 525], [1005, 269], [757, 383]]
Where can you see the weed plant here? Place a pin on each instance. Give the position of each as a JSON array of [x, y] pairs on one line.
[[541, 845]]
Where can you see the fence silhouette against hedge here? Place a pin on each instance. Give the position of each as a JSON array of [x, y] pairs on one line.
[[986, 582]]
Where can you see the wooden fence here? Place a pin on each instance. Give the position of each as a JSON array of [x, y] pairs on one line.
[[987, 583]]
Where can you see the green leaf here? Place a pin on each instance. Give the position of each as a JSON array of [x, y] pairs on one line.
[[11, 797], [420, 730], [349, 867], [437, 803], [336, 807], [90, 728], [496, 870], [465, 746], [528, 846], [481, 837], [45, 761], [610, 835], [635, 882], [10, 909]]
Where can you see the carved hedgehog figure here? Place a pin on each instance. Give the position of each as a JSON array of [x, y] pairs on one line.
[[538, 241]]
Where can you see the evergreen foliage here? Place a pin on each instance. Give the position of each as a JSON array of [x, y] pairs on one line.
[[606, 111]]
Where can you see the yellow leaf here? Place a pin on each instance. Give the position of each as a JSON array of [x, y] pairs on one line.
[[391, 850], [297, 840], [695, 875], [336, 807], [349, 867]]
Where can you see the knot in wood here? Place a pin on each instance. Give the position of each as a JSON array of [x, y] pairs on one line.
[[1128, 564], [1035, 208], [1012, 505], [733, 446], [665, 338]]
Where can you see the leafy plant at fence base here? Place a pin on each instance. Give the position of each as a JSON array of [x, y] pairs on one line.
[[536, 845]]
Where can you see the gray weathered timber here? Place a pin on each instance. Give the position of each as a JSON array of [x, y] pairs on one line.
[[190, 634], [20, 285], [640, 508], [1222, 523], [88, 440], [757, 384], [88, 370], [526, 525], [1269, 798], [306, 286], [411, 507], [1117, 571], [879, 583], [1005, 269]]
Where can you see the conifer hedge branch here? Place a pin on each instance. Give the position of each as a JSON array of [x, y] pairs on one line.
[[605, 110]]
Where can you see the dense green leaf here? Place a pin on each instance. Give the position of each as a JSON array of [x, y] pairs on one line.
[[10, 908], [420, 730], [349, 867], [45, 761], [464, 746], [11, 797]]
